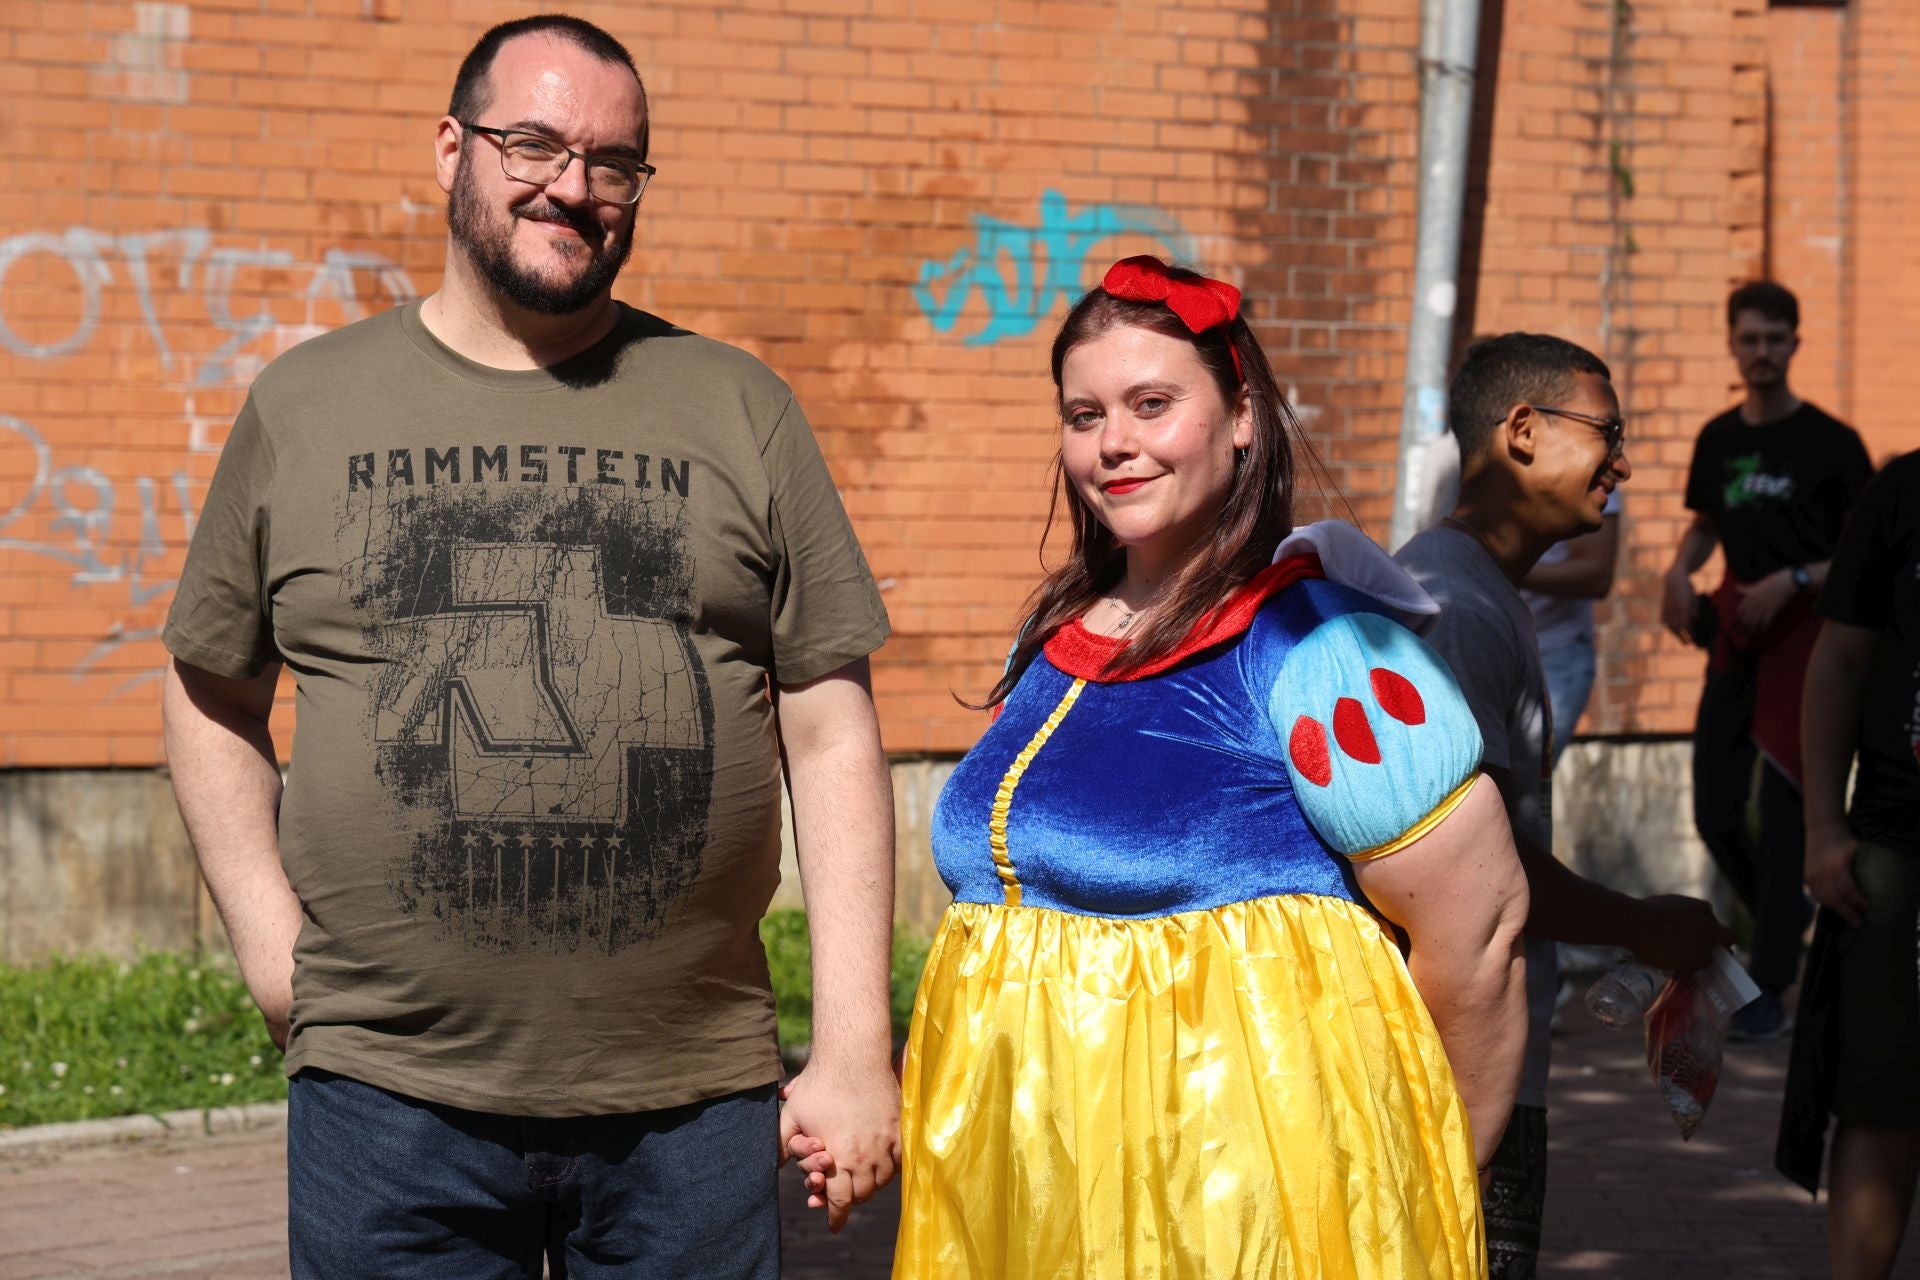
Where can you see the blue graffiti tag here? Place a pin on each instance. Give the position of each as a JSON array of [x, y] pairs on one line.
[[1001, 264]]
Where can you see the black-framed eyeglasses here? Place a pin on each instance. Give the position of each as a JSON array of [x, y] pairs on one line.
[[528, 157], [1613, 429]]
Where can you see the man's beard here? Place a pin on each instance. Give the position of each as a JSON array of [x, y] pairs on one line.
[[488, 242]]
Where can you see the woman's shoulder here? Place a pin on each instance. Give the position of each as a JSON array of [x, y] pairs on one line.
[[1291, 616]]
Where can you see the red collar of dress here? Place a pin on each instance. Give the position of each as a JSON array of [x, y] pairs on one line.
[[1082, 654]]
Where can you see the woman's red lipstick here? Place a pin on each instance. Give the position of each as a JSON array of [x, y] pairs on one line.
[[1124, 486]]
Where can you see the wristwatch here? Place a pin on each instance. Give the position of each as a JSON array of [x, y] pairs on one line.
[[1802, 580]]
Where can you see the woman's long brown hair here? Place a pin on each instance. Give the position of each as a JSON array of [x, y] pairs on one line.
[[1256, 515]]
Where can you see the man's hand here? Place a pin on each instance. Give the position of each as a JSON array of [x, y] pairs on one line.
[[1761, 602], [1830, 879], [855, 1115], [276, 1007], [1677, 933], [1676, 604], [227, 783]]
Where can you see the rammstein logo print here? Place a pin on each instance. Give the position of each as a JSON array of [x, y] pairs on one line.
[[542, 716]]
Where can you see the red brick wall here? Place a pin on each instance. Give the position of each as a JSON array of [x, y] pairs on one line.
[[193, 187]]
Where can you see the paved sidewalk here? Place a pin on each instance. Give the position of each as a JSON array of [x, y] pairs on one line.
[[1629, 1199]]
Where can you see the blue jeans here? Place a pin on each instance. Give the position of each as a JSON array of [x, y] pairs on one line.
[[1569, 671], [379, 1184]]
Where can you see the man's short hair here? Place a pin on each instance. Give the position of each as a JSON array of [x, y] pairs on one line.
[[470, 84], [1773, 301], [1513, 368]]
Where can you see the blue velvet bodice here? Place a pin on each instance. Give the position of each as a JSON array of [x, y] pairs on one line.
[[1164, 794]]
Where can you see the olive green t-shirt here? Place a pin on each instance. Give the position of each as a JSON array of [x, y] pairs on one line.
[[533, 807]]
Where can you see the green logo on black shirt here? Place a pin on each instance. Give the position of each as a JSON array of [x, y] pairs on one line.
[[1748, 484]]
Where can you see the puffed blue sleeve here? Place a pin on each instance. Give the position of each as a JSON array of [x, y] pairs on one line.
[[1377, 738]]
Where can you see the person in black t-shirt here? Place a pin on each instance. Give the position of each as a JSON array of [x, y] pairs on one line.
[[1856, 1050], [1771, 482]]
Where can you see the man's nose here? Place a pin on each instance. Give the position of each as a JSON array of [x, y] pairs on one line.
[[571, 185], [1621, 467]]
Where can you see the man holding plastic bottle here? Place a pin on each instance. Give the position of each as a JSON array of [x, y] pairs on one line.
[[1542, 448]]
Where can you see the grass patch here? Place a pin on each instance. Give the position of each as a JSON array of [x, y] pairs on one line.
[[90, 1038], [83, 1039], [790, 961]]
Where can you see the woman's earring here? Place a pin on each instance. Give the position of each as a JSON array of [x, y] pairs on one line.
[[1239, 458]]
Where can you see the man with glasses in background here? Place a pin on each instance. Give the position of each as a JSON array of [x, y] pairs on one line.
[[1771, 482], [561, 585], [1542, 449]]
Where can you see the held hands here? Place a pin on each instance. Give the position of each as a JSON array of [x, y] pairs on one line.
[[1761, 602], [842, 1123], [1678, 933], [1830, 879]]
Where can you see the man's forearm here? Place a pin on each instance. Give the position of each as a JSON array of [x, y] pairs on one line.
[[1695, 546], [1567, 907], [843, 832], [226, 781], [1830, 720], [843, 828]]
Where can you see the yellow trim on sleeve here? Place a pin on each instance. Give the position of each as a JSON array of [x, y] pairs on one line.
[[1420, 828], [1003, 798]]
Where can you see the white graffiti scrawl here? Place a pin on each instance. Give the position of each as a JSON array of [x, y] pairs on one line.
[[68, 513]]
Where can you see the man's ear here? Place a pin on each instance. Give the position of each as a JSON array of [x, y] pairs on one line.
[[1519, 432], [446, 152]]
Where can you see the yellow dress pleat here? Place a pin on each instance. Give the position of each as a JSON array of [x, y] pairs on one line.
[[1251, 1091]]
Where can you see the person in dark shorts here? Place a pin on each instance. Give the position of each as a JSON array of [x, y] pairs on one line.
[[1770, 484], [1857, 1045]]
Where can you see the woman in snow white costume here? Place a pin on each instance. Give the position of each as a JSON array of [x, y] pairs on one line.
[[1167, 1028]]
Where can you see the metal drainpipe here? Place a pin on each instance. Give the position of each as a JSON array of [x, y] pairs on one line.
[[1449, 37]]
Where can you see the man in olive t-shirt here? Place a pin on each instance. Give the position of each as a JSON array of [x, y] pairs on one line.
[[560, 583]]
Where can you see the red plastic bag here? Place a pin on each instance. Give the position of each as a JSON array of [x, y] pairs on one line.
[[1685, 1032]]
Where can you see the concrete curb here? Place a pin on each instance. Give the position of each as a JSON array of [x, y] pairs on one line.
[[54, 1139]]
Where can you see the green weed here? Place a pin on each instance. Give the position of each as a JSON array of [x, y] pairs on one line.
[[82, 1039], [89, 1038]]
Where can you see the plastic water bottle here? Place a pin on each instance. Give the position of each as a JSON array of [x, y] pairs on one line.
[[1625, 993]]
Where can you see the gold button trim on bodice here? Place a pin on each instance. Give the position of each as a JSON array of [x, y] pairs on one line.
[[1003, 798]]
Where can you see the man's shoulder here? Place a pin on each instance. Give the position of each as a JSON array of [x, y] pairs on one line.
[[1903, 471], [1896, 487], [675, 354], [1440, 556], [1475, 599], [325, 359], [1720, 424], [1818, 422]]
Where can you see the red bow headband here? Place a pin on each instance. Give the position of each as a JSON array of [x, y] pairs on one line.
[[1201, 303]]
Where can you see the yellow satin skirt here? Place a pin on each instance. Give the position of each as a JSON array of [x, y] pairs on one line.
[[1251, 1091]]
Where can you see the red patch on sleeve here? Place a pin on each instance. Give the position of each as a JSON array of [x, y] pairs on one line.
[[1307, 744], [1353, 733], [1398, 696]]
